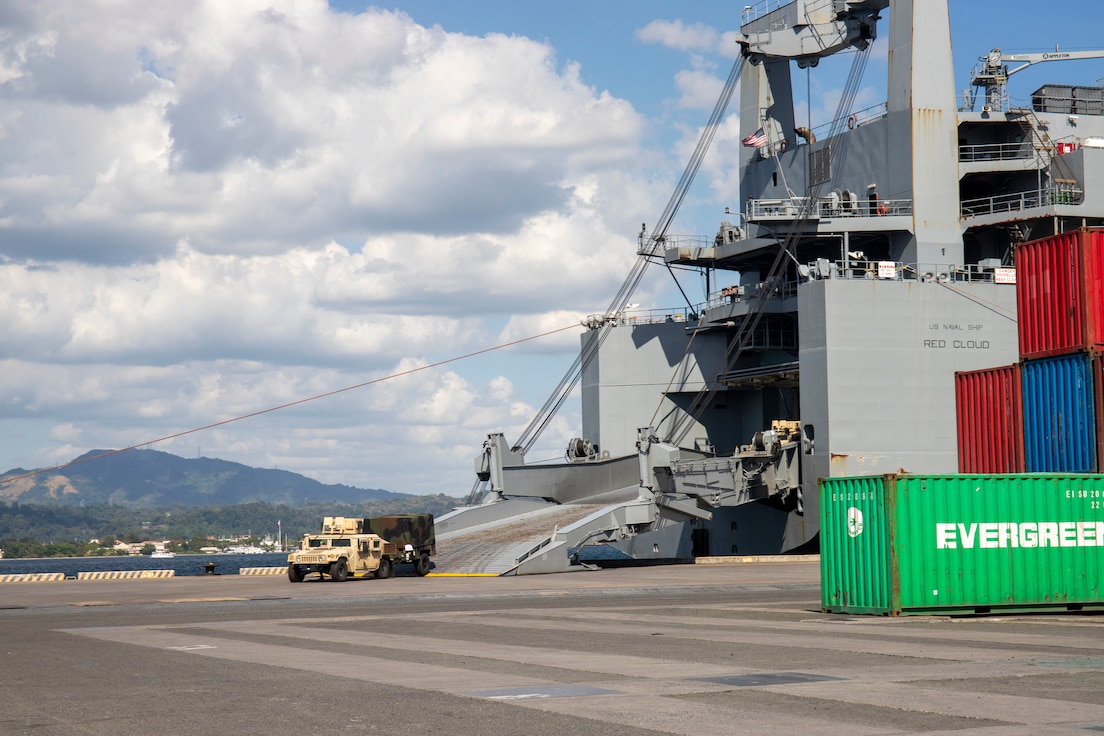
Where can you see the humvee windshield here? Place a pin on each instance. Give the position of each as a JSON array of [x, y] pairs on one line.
[[330, 542]]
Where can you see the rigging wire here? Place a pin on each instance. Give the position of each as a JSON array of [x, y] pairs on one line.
[[776, 276], [288, 405], [700, 150], [992, 306], [647, 251], [582, 361]]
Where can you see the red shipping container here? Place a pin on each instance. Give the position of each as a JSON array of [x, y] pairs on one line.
[[1060, 293], [1098, 385], [989, 414]]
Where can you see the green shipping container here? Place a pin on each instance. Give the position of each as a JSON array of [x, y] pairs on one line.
[[922, 544]]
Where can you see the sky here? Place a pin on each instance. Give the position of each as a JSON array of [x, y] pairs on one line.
[[208, 209]]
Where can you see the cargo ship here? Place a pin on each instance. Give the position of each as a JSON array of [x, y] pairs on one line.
[[870, 259]]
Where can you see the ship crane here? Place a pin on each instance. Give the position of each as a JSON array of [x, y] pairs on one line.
[[992, 73]]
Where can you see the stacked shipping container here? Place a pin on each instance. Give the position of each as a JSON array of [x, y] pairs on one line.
[[1045, 413], [1059, 414], [995, 538], [1060, 294], [990, 420]]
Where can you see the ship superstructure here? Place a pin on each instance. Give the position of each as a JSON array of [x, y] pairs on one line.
[[870, 258]]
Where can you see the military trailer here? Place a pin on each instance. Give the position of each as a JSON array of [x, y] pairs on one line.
[[412, 534], [362, 548]]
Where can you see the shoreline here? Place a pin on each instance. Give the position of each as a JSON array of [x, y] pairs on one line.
[[139, 556]]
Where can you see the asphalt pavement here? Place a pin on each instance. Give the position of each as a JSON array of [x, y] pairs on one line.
[[688, 649]]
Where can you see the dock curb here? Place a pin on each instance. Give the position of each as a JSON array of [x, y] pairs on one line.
[[32, 577], [126, 574], [755, 559]]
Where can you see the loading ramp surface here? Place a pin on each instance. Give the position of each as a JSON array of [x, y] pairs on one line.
[[494, 548]]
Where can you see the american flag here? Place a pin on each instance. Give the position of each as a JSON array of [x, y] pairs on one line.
[[756, 139]]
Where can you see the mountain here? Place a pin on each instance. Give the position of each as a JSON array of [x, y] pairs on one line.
[[141, 478]]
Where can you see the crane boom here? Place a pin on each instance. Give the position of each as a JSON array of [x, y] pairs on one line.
[[992, 72]]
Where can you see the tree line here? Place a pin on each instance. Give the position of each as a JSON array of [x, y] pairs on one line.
[[41, 530]]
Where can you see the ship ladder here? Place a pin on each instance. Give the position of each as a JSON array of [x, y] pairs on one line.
[[1064, 184]]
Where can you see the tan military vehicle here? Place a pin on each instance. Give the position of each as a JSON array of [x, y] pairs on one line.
[[363, 548]]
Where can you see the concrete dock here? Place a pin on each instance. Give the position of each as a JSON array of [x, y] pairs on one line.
[[688, 649]]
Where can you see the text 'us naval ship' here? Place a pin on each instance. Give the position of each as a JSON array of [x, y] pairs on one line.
[[871, 258]]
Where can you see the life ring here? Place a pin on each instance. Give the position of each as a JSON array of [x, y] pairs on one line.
[[883, 209], [851, 122], [782, 147]]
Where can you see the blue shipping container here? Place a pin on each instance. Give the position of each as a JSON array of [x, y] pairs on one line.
[[1059, 414]]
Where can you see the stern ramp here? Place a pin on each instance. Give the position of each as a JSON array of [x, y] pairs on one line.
[[537, 541]]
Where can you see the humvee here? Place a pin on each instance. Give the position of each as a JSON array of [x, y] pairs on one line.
[[362, 548]]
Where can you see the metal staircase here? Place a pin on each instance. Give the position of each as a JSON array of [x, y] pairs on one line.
[[1064, 187]]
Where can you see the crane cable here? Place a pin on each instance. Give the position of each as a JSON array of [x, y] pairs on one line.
[[775, 278], [288, 405], [648, 249]]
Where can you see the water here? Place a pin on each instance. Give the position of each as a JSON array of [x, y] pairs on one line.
[[182, 564]]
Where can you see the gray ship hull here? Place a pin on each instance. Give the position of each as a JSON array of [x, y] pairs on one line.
[[831, 351]]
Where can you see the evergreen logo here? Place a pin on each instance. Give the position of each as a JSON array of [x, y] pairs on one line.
[[854, 522], [1022, 534]]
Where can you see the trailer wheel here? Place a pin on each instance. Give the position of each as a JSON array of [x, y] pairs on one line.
[[385, 569], [294, 574], [422, 564], [339, 571]]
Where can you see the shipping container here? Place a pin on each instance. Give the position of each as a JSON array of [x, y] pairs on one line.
[[1088, 100], [1097, 364], [1053, 98], [961, 544], [989, 417], [1059, 414], [1060, 293]]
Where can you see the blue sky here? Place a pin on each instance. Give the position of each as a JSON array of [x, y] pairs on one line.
[[210, 208]]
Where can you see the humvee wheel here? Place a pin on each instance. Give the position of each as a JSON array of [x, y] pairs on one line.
[[422, 565], [294, 575], [339, 571], [385, 569]]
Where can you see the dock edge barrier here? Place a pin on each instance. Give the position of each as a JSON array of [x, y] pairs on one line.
[[755, 559], [263, 571], [125, 574], [32, 577]]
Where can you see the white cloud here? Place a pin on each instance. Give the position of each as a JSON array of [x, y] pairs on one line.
[[208, 209], [253, 130], [677, 35], [698, 88]]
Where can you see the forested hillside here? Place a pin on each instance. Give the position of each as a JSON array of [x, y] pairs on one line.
[[147, 478]]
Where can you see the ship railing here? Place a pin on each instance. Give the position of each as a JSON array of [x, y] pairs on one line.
[[657, 247], [1065, 194], [990, 271], [852, 121], [996, 151], [789, 208], [765, 7], [656, 316], [749, 293], [761, 8]]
